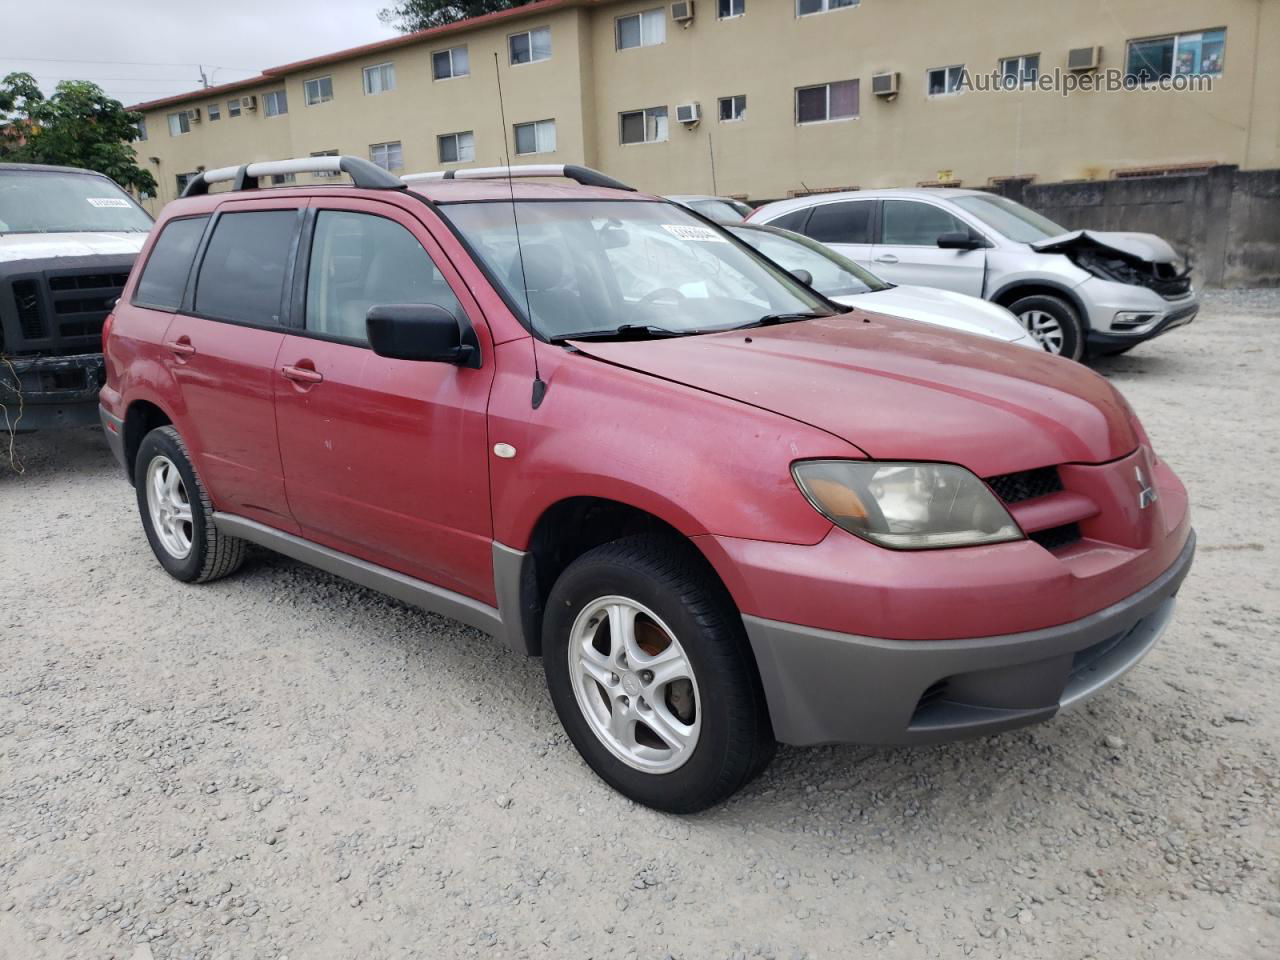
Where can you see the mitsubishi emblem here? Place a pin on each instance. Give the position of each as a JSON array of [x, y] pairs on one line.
[[1146, 492]]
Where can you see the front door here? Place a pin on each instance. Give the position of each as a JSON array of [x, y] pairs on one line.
[[384, 459], [908, 251], [222, 348]]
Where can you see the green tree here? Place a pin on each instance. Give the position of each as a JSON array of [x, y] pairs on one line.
[[78, 126], [410, 15]]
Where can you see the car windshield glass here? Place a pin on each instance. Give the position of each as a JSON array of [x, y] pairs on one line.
[[38, 202], [716, 209], [597, 265], [833, 275], [1011, 219]]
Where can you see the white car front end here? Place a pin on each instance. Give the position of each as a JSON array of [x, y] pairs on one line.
[[955, 311]]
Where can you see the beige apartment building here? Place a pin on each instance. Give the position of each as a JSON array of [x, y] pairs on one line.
[[767, 98]]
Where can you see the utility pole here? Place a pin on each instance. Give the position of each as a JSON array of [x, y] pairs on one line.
[[204, 81]]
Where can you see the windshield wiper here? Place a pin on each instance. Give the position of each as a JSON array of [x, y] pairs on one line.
[[628, 331], [772, 319]]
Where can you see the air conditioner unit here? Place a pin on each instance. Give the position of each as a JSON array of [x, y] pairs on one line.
[[884, 84], [1084, 58], [249, 103], [682, 12], [193, 115], [688, 113]]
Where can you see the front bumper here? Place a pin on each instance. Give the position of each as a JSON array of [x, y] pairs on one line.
[[1104, 300], [828, 687], [51, 391]]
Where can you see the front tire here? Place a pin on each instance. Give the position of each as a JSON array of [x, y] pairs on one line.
[[177, 513], [651, 674], [1053, 323]]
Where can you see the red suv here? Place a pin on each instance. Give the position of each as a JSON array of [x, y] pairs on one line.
[[723, 509]]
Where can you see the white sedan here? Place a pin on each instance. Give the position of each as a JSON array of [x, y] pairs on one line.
[[839, 278]]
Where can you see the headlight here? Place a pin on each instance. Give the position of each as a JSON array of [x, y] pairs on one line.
[[906, 506]]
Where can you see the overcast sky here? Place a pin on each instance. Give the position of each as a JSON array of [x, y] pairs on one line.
[[158, 43]]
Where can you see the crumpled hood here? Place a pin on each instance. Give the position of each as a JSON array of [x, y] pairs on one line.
[[946, 308], [900, 390], [1142, 246], [42, 246]]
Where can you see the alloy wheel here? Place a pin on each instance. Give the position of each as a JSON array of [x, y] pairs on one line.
[[1045, 328], [169, 506]]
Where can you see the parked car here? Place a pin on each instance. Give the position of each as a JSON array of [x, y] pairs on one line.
[[844, 281], [720, 209], [1075, 291], [67, 240], [723, 511]]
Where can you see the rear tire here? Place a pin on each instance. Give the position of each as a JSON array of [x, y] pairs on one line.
[[1053, 323], [177, 513], [710, 730]]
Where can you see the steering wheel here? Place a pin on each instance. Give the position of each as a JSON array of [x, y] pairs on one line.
[[653, 295]]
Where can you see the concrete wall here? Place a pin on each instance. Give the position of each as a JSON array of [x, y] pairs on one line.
[[1226, 219]]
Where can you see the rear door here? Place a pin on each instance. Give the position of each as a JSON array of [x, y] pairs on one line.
[[843, 225], [221, 348], [907, 250], [384, 459]]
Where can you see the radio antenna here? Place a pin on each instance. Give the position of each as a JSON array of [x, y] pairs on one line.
[[539, 386]]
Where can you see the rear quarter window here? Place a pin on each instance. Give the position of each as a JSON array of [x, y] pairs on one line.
[[795, 220], [242, 273], [164, 278]]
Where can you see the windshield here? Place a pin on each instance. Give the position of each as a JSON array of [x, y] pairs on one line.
[[716, 209], [596, 265], [39, 202], [1011, 219], [833, 275]]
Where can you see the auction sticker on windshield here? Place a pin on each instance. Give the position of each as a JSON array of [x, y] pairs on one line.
[[108, 202], [686, 232]]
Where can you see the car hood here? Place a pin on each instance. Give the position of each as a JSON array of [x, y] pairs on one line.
[[900, 390], [42, 246], [946, 308], [1140, 246]]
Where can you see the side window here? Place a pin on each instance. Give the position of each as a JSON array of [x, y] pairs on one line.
[[845, 222], [164, 278], [914, 224], [795, 220], [242, 274], [359, 260]]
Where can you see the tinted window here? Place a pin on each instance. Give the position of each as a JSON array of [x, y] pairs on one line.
[[848, 222], [165, 276], [795, 220], [908, 223], [358, 261], [242, 275]]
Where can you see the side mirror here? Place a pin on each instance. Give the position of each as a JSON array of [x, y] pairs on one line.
[[804, 276], [421, 331], [960, 241]]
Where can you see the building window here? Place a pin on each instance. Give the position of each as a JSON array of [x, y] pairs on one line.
[[644, 126], [325, 153], [214, 110], [454, 62], [530, 47], [141, 127], [1185, 54], [536, 137], [457, 147], [379, 78], [645, 29], [233, 108], [183, 179], [1016, 71], [827, 101], [319, 90], [179, 123], [943, 81], [733, 108], [806, 7], [731, 8], [280, 179], [387, 155], [275, 103]]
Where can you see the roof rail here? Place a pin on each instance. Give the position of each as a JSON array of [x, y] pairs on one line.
[[572, 171], [245, 177]]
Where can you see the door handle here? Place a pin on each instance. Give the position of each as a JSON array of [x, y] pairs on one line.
[[886, 258], [299, 374], [182, 346]]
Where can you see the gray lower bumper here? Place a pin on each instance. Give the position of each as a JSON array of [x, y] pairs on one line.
[[113, 430], [826, 687]]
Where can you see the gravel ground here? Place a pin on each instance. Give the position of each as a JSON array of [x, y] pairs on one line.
[[283, 764]]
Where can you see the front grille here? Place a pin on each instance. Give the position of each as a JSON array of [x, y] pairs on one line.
[[26, 296], [1026, 484], [1055, 538]]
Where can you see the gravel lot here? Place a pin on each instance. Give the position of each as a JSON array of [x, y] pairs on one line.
[[282, 764]]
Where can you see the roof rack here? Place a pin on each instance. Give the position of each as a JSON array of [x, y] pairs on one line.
[[572, 171], [246, 176]]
